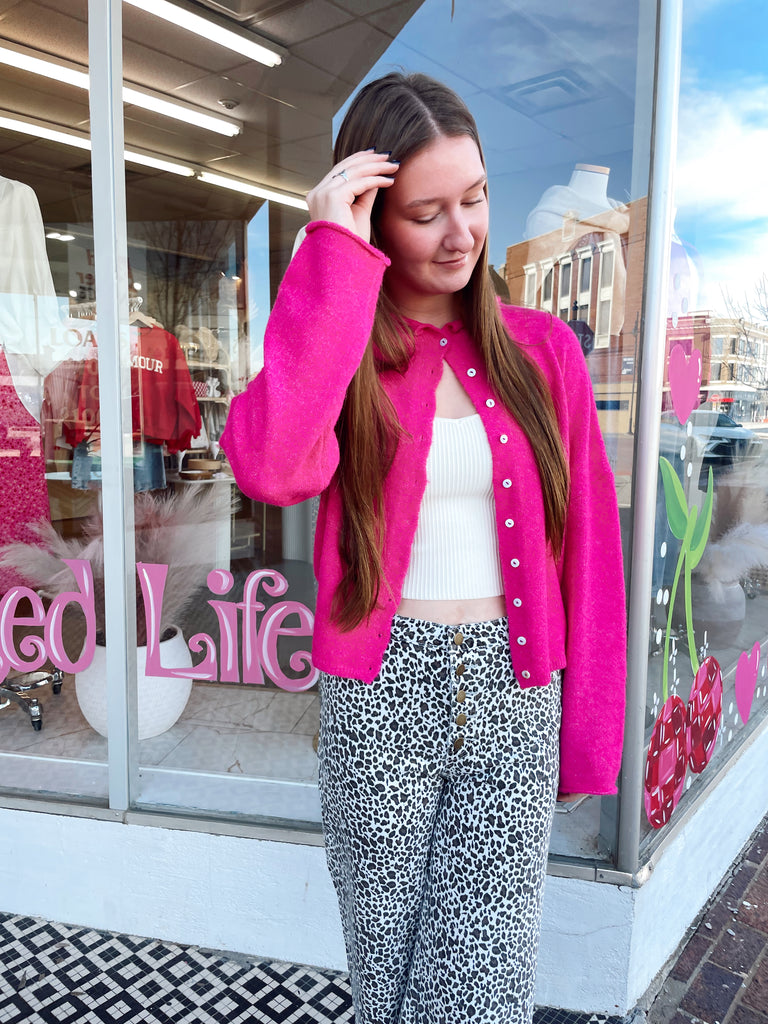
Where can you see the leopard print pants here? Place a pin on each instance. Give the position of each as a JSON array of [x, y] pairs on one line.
[[438, 784]]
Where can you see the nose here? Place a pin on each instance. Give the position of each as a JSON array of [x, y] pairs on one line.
[[458, 236]]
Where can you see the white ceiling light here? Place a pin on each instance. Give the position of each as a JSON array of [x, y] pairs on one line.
[[25, 61], [159, 163], [190, 115], [17, 57], [252, 190], [42, 131], [208, 29]]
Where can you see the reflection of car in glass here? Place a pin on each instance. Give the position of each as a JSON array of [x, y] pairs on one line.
[[719, 441]]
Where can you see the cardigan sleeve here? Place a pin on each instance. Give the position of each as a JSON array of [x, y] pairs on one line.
[[592, 582], [279, 436]]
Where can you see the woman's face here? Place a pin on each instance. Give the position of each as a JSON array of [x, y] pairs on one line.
[[433, 225]]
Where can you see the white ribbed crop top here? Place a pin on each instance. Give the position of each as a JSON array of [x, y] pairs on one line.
[[455, 553]]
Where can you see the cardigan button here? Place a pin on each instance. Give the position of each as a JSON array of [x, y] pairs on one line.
[[443, 341], [522, 641], [471, 372], [503, 438], [525, 674], [506, 483], [517, 603], [490, 403], [509, 522], [514, 562]]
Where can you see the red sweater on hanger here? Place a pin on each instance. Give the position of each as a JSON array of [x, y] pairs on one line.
[[165, 409]]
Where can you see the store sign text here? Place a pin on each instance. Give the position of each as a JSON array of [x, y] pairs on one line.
[[255, 641]]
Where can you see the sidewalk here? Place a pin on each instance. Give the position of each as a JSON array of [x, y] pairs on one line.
[[721, 976], [59, 974]]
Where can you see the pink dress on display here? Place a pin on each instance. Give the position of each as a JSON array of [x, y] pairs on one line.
[[27, 305]]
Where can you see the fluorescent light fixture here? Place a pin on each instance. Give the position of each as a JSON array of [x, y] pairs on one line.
[[208, 29], [253, 190], [190, 115], [41, 131], [159, 163], [28, 62], [17, 57], [58, 235]]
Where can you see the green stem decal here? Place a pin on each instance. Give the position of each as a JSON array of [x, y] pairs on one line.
[[693, 530]]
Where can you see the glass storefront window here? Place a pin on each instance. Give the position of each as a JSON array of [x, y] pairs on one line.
[[708, 687], [550, 122], [50, 608], [563, 104]]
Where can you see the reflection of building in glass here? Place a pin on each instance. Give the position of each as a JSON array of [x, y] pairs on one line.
[[589, 272], [734, 355]]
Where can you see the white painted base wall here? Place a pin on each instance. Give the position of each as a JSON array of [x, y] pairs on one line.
[[602, 945]]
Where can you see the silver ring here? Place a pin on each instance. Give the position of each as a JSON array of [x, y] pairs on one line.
[[342, 174]]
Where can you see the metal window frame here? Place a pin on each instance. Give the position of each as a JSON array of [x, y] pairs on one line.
[[652, 348], [105, 42]]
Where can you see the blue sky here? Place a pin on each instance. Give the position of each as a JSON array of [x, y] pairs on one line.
[[722, 165]]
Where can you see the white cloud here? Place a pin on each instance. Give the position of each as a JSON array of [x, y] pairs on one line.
[[723, 151], [720, 183]]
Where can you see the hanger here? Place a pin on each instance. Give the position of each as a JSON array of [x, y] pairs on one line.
[[135, 316], [141, 318]]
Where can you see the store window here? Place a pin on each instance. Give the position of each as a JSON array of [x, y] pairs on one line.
[[564, 293], [224, 585], [708, 685], [48, 407]]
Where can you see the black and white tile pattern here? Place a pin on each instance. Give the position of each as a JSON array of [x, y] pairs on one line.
[[60, 974]]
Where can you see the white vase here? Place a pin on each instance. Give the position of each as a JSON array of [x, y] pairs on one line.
[[161, 700]]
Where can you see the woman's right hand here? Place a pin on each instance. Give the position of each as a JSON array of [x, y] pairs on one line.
[[346, 194]]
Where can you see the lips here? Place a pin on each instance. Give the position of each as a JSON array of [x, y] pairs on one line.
[[453, 264]]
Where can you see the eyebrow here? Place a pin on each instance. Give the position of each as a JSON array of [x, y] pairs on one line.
[[428, 202]]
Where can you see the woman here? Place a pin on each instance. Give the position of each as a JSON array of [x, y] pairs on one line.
[[467, 553]]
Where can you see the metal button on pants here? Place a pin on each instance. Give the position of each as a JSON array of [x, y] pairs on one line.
[[438, 789]]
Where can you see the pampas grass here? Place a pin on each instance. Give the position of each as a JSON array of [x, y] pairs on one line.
[[162, 533], [738, 536], [729, 559]]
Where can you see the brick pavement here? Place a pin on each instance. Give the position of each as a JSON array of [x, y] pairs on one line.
[[721, 975]]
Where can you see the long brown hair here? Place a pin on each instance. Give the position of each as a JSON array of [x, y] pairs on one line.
[[403, 114]]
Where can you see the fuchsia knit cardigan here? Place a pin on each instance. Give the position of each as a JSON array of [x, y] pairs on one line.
[[563, 614]]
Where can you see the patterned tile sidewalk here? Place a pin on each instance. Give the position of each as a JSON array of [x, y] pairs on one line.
[[59, 974], [721, 976]]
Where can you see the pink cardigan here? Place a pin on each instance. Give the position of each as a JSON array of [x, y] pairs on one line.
[[281, 444]]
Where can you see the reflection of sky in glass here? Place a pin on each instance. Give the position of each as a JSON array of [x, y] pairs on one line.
[[258, 284], [722, 198], [579, 63]]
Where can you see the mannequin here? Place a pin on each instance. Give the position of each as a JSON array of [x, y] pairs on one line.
[[28, 322], [581, 210], [585, 195]]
